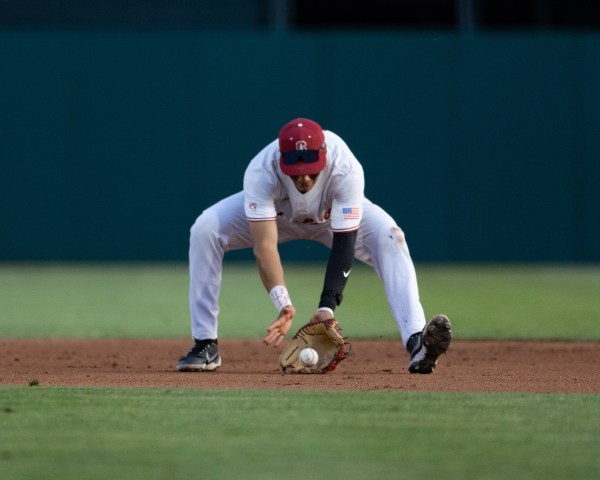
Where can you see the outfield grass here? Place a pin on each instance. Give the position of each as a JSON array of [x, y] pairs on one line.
[[152, 434], [537, 301]]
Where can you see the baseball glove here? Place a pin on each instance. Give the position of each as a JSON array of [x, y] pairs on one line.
[[323, 336]]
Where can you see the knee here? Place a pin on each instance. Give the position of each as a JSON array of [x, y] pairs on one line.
[[204, 229], [392, 240], [396, 235]]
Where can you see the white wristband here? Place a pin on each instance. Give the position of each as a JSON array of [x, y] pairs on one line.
[[280, 296], [325, 309]]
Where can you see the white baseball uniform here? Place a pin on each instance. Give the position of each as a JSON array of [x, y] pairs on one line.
[[335, 203]]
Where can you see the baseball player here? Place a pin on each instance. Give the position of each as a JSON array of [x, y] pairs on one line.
[[306, 184]]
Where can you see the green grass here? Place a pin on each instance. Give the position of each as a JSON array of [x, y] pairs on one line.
[[527, 301], [66, 433], [82, 300], [121, 300]]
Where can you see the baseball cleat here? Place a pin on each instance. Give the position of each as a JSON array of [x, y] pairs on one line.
[[203, 356], [426, 346]]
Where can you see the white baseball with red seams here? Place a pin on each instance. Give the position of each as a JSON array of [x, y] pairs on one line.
[[309, 357]]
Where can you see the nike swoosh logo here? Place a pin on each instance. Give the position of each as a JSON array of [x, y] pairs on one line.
[[212, 358], [346, 273]]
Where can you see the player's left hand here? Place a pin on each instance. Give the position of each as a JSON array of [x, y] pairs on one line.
[[320, 316], [279, 328]]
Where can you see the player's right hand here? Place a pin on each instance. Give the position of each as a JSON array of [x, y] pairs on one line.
[[279, 328]]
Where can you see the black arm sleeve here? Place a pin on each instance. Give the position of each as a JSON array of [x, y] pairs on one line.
[[338, 268]]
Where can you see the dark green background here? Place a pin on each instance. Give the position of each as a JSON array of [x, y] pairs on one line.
[[483, 147]]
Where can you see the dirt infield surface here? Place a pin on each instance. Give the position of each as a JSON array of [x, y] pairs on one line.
[[483, 366]]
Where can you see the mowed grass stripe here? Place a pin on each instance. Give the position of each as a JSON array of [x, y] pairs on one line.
[[142, 433], [150, 300]]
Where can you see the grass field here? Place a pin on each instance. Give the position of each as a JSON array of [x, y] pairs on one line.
[[63, 433], [154, 434], [542, 302]]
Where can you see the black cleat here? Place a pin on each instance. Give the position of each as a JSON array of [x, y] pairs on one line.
[[204, 355], [426, 346]]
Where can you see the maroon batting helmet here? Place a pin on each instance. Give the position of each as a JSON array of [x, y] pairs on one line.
[[302, 147]]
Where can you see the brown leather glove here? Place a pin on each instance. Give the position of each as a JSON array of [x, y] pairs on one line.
[[324, 336]]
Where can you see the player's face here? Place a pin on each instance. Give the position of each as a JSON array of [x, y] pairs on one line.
[[304, 183]]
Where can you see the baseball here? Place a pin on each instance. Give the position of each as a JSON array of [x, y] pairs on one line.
[[309, 357]]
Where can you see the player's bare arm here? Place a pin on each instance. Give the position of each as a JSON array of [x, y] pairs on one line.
[[264, 237]]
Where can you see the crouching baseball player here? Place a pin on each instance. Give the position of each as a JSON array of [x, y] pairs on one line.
[[307, 184]]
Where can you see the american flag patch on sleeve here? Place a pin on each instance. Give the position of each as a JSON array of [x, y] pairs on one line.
[[350, 213]]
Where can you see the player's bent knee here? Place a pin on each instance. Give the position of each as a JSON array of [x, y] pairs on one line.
[[397, 235], [204, 228], [392, 240]]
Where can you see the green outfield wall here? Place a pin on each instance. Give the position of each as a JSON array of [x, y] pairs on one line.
[[484, 147]]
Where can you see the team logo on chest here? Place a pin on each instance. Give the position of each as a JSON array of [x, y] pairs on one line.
[[324, 218]]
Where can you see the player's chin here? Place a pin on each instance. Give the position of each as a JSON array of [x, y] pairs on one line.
[[304, 188]]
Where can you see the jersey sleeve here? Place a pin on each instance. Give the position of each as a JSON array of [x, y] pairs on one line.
[[347, 203], [260, 188]]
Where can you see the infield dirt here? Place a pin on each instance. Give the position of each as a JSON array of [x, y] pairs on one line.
[[482, 366]]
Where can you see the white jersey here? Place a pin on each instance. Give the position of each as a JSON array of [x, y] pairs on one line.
[[337, 196]]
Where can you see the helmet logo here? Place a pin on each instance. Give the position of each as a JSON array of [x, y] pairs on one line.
[[301, 145]]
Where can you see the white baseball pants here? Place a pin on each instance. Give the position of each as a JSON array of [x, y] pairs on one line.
[[223, 227]]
